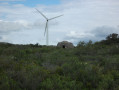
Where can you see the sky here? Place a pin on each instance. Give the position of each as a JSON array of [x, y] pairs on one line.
[[82, 20]]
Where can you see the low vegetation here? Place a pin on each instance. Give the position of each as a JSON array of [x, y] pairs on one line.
[[88, 66]]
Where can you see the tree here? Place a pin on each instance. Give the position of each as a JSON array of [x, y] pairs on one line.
[[113, 36]]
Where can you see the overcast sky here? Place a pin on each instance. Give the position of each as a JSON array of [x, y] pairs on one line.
[[83, 20]]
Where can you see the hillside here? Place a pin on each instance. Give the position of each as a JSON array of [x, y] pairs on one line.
[[88, 66]]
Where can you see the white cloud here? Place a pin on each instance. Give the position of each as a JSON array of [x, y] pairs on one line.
[[82, 19], [0, 37], [73, 34], [97, 34], [10, 26], [104, 31]]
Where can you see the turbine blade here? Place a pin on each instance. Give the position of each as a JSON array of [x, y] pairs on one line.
[[42, 14], [55, 17], [46, 28]]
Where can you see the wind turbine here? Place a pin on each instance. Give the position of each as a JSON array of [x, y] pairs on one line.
[[46, 27]]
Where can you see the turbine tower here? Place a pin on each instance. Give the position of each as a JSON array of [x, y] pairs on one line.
[[46, 27]]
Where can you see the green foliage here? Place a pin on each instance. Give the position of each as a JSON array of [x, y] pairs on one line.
[[88, 66], [111, 39]]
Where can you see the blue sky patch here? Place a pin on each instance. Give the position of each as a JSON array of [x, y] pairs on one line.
[[32, 3]]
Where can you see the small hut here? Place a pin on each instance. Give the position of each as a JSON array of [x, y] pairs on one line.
[[65, 44]]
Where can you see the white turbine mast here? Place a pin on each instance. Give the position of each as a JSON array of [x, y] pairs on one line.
[[46, 27]]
